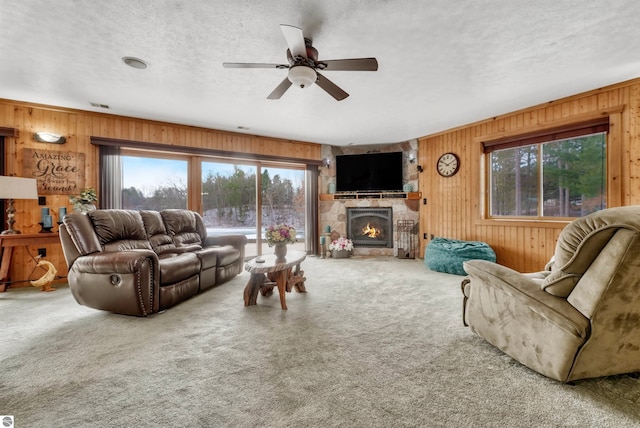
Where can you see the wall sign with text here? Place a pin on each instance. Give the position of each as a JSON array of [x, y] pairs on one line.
[[58, 173]]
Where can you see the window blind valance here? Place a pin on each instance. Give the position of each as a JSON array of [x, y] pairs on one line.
[[593, 126], [101, 141], [8, 132]]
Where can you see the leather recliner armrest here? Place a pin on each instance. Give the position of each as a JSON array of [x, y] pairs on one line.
[[125, 282], [114, 262], [238, 241]]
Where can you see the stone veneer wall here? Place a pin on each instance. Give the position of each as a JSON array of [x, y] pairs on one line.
[[334, 213]]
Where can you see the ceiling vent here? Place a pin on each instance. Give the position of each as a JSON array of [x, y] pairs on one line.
[[100, 105]]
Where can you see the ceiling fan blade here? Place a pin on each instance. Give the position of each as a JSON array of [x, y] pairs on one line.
[[331, 88], [355, 64], [295, 40], [252, 65], [280, 89]]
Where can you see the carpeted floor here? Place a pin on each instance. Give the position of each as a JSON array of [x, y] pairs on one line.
[[374, 343]]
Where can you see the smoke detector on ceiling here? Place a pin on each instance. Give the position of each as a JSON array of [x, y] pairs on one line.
[[135, 62]]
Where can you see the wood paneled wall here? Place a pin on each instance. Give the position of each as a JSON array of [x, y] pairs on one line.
[[455, 205], [79, 126]]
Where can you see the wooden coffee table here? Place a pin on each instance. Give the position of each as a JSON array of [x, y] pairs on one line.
[[285, 275]]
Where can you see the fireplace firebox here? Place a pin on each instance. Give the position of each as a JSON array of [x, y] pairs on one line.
[[370, 227]]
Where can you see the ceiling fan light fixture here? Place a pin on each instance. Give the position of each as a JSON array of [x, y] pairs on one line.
[[302, 75]]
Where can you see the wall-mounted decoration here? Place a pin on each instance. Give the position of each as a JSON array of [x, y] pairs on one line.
[[448, 164], [58, 173]]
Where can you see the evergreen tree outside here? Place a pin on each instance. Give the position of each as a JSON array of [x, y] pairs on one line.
[[562, 178], [229, 194], [514, 177], [229, 200]]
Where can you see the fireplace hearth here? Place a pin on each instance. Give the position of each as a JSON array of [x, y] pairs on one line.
[[370, 227]]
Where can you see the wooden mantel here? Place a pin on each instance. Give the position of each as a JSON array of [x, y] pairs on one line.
[[370, 195]]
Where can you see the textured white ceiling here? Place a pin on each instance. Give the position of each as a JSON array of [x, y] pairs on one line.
[[442, 63]]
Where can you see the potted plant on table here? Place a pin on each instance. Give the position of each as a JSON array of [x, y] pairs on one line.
[[279, 236], [84, 202], [341, 248]]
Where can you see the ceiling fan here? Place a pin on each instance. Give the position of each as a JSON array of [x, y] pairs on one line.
[[304, 66]]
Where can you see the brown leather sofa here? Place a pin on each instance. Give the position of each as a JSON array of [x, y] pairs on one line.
[[141, 262]]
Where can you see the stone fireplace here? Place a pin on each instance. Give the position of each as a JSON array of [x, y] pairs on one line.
[[398, 206], [333, 216], [370, 227]]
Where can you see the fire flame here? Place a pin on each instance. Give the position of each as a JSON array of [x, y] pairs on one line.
[[371, 232]]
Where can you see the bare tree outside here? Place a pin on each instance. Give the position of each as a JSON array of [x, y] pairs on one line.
[[154, 183]]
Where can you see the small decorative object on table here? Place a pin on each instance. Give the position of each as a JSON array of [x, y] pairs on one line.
[[46, 223], [62, 211], [84, 202], [341, 248], [44, 228], [322, 246], [279, 236]]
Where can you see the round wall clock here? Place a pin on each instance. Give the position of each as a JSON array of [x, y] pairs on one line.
[[448, 164]]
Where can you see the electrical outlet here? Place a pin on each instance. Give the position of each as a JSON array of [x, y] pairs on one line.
[[42, 252]]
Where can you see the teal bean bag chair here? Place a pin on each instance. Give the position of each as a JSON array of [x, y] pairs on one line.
[[447, 255]]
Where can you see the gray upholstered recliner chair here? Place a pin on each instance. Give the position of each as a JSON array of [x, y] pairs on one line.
[[578, 319]]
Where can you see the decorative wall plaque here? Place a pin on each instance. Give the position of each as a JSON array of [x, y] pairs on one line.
[[58, 173]]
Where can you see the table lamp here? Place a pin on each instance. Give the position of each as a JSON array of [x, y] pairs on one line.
[[12, 188]]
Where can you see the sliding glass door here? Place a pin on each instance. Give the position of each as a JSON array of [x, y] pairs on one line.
[[229, 201], [234, 197], [231, 204], [283, 201]]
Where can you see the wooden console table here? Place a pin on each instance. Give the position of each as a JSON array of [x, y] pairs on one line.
[[9, 242], [271, 273]]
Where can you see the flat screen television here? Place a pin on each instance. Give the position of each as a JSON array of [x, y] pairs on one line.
[[370, 172]]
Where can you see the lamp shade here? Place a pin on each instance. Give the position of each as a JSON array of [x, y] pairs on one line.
[[18, 188], [302, 76]]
